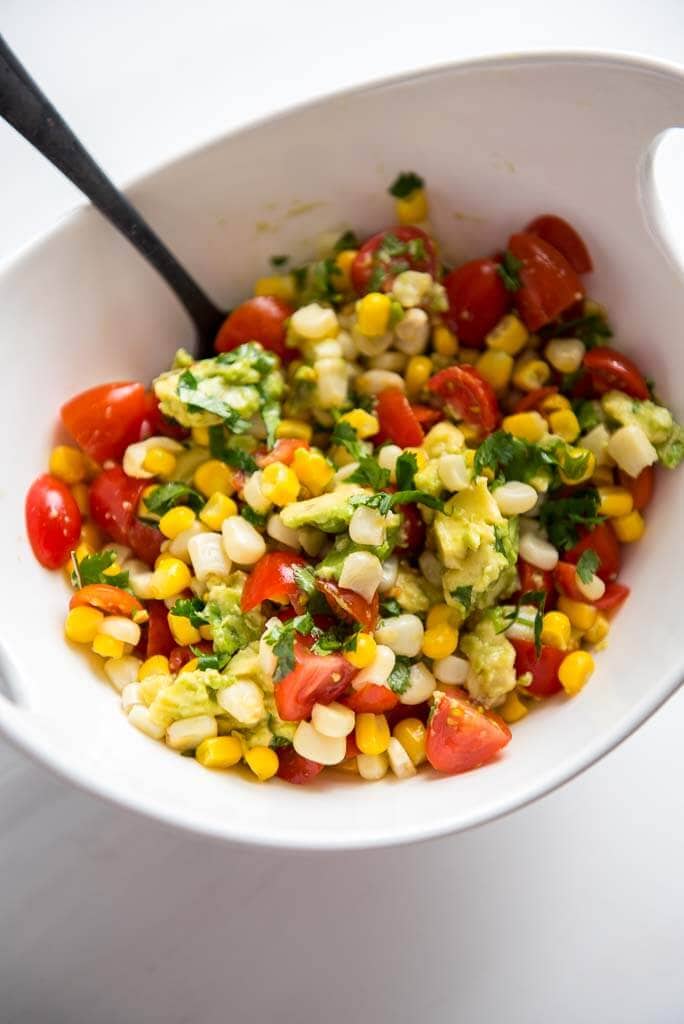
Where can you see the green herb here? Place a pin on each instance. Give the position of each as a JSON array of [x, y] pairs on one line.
[[404, 184], [511, 458], [573, 462], [345, 435], [261, 360], [91, 569], [370, 474], [348, 240], [406, 468], [318, 282], [337, 638], [303, 624], [592, 329], [392, 246], [281, 638], [390, 607], [167, 496], [562, 518], [279, 261], [207, 661], [304, 578], [196, 400], [415, 247], [536, 598], [257, 519], [588, 413], [570, 380], [587, 565], [237, 458], [191, 608], [270, 414], [508, 271], [400, 677], [397, 313], [384, 503], [279, 741], [464, 596]]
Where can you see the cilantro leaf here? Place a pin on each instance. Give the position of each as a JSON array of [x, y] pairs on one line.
[[390, 607], [279, 261], [304, 578], [281, 638], [270, 414], [588, 413], [587, 565], [511, 458], [370, 474], [206, 661], [384, 503], [464, 596], [508, 271], [536, 598], [317, 281], [406, 468], [236, 458], [345, 435], [198, 400], [592, 329], [563, 517], [257, 519], [404, 184], [400, 677], [91, 569], [191, 608], [347, 240], [166, 496]]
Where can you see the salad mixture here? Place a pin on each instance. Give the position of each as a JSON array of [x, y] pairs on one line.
[[380, 525]]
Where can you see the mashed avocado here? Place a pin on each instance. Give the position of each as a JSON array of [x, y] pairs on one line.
[[232, 629], [492, 659], [329, 512], [190, 694], [413, 592], [655, 420]]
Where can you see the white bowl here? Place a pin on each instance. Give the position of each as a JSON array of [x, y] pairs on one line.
[[498, 141]]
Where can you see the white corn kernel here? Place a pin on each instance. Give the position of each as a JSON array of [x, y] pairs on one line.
[[334, 720], [522, 628], [310, 743], [267, 658], [379, 670], [372, 382], [329, 348], [208, 556], [130, 695], [241, 541], [367, 526], [395, 361], [411, 287], [178, 547], [632, 450], [140, 579], [244, 700], [538, 552], [422, 684], [139, 716], [452, 670], [412, 332], [188, 733], [134, 456], [431, 568], [122, 671], [347, 346], [121, 628], [372, 345], [596, 441], [403, 633], [453, 472], [120, 551], [361, 573], [344, 472], [332, 382], [593, 590], [388, 455], [400, 763], [314, 321], [515, 498], [390, 570], [276, 529], [565, 354], [254, 495], [372, 766]]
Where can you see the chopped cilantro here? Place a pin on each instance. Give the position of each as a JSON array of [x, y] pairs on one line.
[[190, 394], [536, 598], [415, 247], [592, 330], [587, 565], [348, 240], [370, 474], [588, 413], [345, 435], [237, 458], [384, 503], [405, 469], [508, 271], [166, 496], [400, 677], [464, 596], [191, 608], [257, 519], [304, 578], [270, 414], [390, 607], [91, 569], [404, 184], [563, 517], [207, 661], [511, 458]]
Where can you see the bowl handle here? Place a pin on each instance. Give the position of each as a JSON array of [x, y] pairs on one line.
[[659, 183]]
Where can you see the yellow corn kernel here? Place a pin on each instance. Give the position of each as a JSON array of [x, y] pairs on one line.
[[530, 426], [411, 734], [108, 646], [556, 630], [441, 614], [629, 528], [92, 536], [282, 286], [512, 709], [206, 632], [67, 464], [113, 570], [444, 341], [599, 631], [496, 366], [143, 510], [471, 434], [294, 428], [531, 374], [565, 424], [343, 265], [575, 455], [421, 455], [213, 476], [510, 335], [218, 508], [440, 641], [364, 423], [176, 520], [157, 665], [80, 494], [200, 436], [140, 615], [469, 457], [81, 624], [279, 483], [603, 476], [313, 470], [413, 208], [615, 501], [372, 733], [82, 551], [373, 312], [418, 372], [554, 403], [219, 752], [340, 456], [171, 576], [575, 671], [364, 652], [469, 355], [160, 462], [182, 630], [263, 761], [582, 616], [191, 665]]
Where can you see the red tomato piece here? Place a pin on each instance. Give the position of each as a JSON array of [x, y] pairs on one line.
[[468, 394], [563, 237], [180, 656], [159, 637], [477, 300], [616, 594], [413, 530], [609, 369], [374, 268], [461, 736], [352, 747], [373, 698], [398, 422], [565, 575], [282, 451], [104, 420], [603, 541], [532, 578], [53, 521], [426, 415], [259, 319], [548, 284], [109, 599], [544, 668], [155, 422], [145, 540], [114, 498], [294, 768], [349, 605], [315, 679], [272, 578], [640, 487], [533, 399]]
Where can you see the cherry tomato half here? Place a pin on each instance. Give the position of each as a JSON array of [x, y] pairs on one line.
[[477, 300], [426, 415], [386, 254], [315, 679], [109, 599], [544, 669], [533, 399], [565, 575], [412, 531], [114, 498], [532, 578], [398, 422], [282, 451], [372, 698], [272, 578], [468, 394], [159, 637], [155, 422], [460, 736], [563, 237], [640, 487], [104, 420], [609, 369], [616, 594], [53, 521], [294, 768], [548, 284], [349, 605], [603, 541], [259, 319]]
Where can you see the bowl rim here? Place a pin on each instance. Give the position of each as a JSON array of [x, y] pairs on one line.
[[13, 714]]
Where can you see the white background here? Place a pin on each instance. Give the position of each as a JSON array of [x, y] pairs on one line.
[[568, 911]]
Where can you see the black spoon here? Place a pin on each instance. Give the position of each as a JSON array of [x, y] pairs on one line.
[[28, 110]]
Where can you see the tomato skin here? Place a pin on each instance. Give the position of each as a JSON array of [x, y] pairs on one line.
[[469, 394], [314, 679], [53, 521], [461, 737], [261, 319], [180, 656], [640, 487], [283, 451], [533, 399], [544, 668], [114, 498], [365, 262], [104, 420], [145, 540], [563, 237], [603, 541], [477, 300], [413, 530], [610, 369], [271, 577], [565, 575], [294, 768], [155, 422], [109, 599], [615, 596], [548, 283], [397, 420], [349, 605], [373, 698], [532, 578], [159, 638], [426, 415]]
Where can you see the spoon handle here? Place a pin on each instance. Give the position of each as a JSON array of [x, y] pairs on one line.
[[29, 111]]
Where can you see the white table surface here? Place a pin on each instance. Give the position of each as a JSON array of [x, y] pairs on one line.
[[568, 911]]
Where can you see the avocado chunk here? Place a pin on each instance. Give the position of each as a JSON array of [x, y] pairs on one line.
[[232, 629], [492, 663], [655, 420], [329, 512], [413, 592]]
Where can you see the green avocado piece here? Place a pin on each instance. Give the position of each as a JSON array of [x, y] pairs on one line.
[[413, 592], [329, 512], [492, 660], [655, 420], [232, 629]]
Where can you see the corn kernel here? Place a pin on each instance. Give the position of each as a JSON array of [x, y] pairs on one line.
[[565, 424], [510, 335], [206, 632], [422, 457], [372, 733], [373, 312], [615, 502], [629, 528], [279, 483], [213, 476], [364, 652], [469, 355], [471, 435], [444, 341], [282, 286], [531, 374], [182, 630], [263, 761], [512, 709], [603, 476], [599, 631], [143, 510], [200, 436], [176, 520], [364, 423], [218, 508], [160, 462], [575, 671], [191, 665], [577, 455], [530, 426], [313, 470], [171, 576], [294, 428], [219, 752], [92, 536], [343, 265], [112, 570], [82, 551], [496, 366], [440, 641], [157, 665], [556, 630], [418, 372], [411, 734], [67, 464], [441, 614], [108, 646], [554, 403], [582, 616], [82, 624], [413, 208], [80, 495]]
